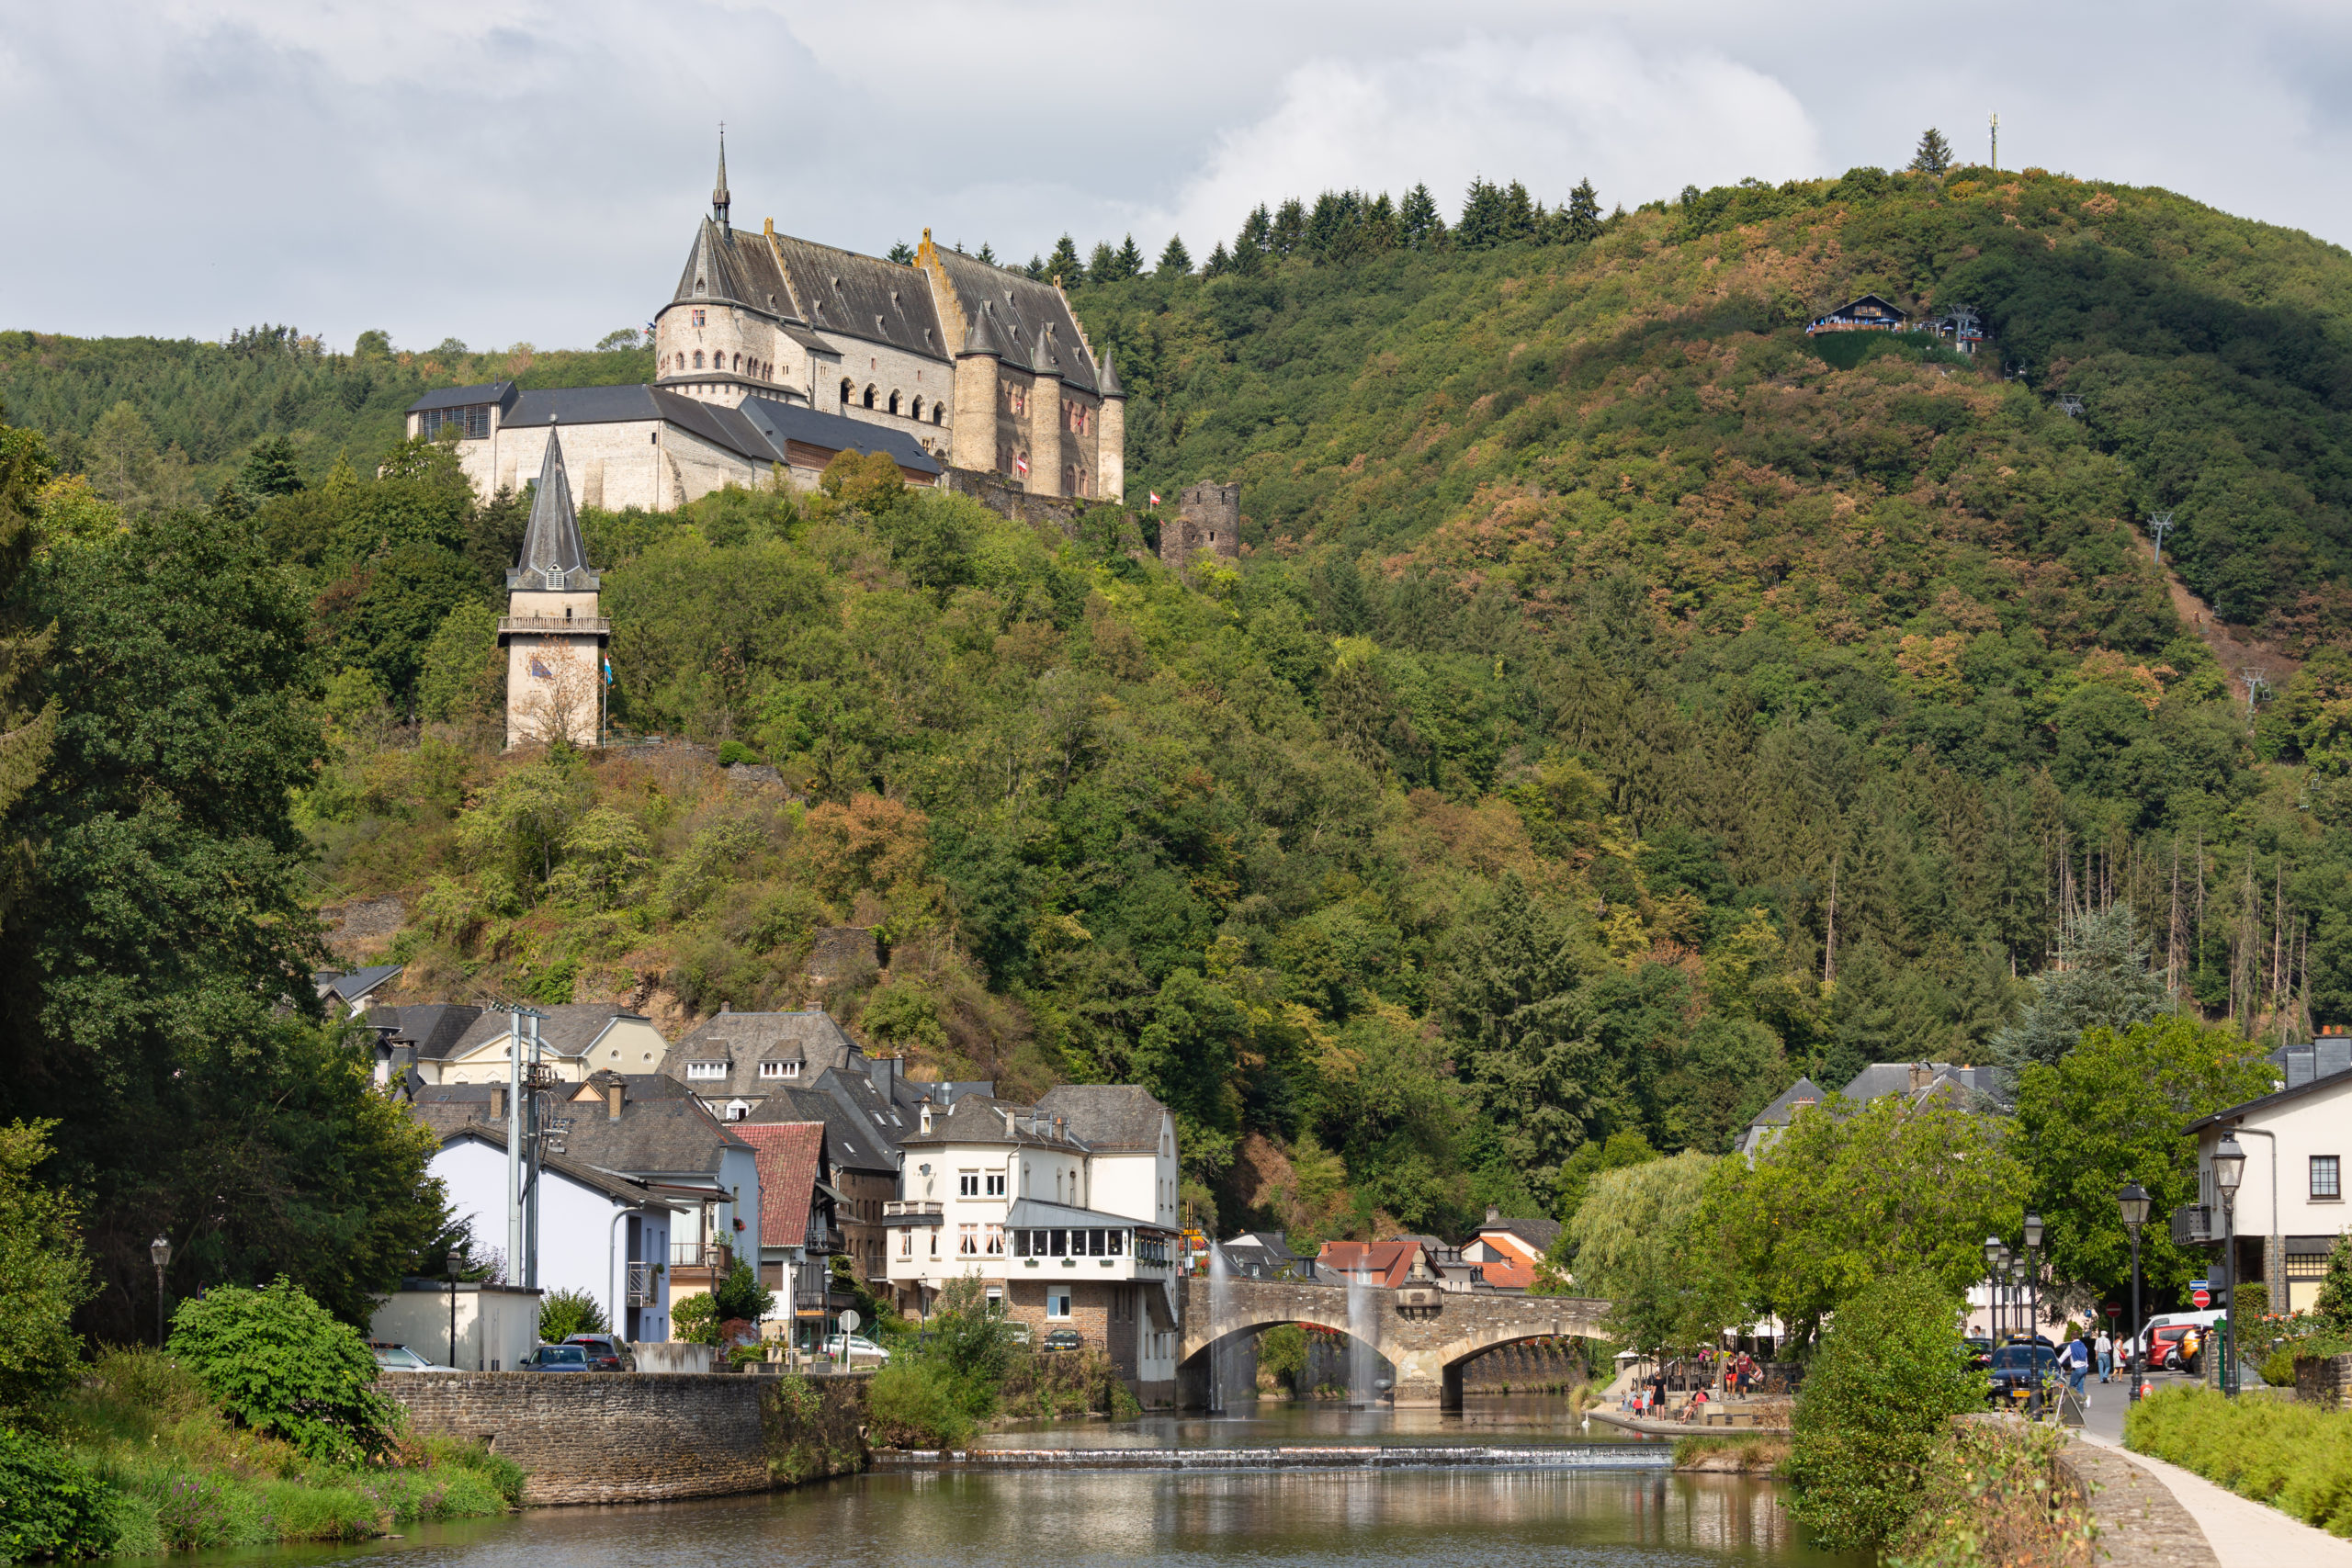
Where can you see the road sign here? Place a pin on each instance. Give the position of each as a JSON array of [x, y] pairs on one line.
[[2202, 1297], [850, 1320], [2113, 1310]]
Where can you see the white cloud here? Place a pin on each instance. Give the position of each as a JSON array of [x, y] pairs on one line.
[[1549, 111]]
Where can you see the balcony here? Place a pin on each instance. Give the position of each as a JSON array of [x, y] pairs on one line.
[[2192, 1225], [644, 1280], [555, 626], [713, 1255], [914, 1211]]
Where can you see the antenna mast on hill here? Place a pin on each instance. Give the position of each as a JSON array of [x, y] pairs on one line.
[[2159, 525], [1997, 141]]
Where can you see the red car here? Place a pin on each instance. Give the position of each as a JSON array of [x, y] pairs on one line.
[[2163, 1348]]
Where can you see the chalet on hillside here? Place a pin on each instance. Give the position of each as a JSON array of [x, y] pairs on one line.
[[1868, 314]]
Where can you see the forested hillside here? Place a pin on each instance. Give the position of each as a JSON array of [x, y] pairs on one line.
[[1622, 707]]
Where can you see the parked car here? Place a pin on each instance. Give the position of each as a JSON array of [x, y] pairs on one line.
[[849, 1349], [556, 1359], [2164, 1348], [2020, 1370], [1978, 1350], [394, 1357], [605, 1352]]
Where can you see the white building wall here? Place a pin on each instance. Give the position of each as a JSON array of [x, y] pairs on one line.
[[497, 1325], [584, 1233], [2274, 1194]]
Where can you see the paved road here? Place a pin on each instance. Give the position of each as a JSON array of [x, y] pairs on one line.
[[2242, 1533]]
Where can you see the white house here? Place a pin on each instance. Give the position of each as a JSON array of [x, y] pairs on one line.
[[605, 1234], [2290, 1206], [575, 1038], [1072, 1235]]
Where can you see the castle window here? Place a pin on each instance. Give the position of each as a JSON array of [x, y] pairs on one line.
[[845, 390], [869, 395], [697, 359], [894, 400], [938, 412], [915, 410], [702, 317]]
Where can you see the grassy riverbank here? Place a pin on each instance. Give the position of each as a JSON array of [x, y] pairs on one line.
[[178, 1475], [2297, 1457]]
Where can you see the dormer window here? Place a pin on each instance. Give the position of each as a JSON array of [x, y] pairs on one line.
[[705, 1070], [699, 286], [774, 1069]]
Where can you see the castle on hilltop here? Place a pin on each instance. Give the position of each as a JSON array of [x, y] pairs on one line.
[[778, 351]]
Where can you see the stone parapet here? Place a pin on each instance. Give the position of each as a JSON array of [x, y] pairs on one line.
[[2140, 1523], [645, 1436], [2324, 1381]]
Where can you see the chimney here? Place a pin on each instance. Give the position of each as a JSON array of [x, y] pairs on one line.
[[614, 1094], [727, 1007], [498, 1102], [1920, 1075], [1057, 1127], [1494, 1215]]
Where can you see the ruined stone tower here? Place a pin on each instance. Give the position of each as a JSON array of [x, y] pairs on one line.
[[1208, 517]]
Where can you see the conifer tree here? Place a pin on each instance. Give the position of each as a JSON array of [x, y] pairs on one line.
[[1417, 223], [1130, 261], [1933, 155], [1036, 267], [1248, 256], [2102, 977], [902, 252], [270, 468], [1520, 215], [1175, 261], [1219, 264], [1290, 228], [1258, 228], [1380, 225], [1102, 266], [1482, 212], [985, 254], [1064, 263], [1582, 221]]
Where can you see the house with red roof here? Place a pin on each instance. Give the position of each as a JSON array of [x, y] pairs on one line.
[[799, 1229], [1510, 1250]]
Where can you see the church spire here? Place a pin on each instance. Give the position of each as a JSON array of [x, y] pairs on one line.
[[718, 200], [553, 558]]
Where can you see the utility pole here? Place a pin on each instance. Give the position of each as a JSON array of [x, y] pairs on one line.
[[522, 1145], [2159, 525], [1997, 141]]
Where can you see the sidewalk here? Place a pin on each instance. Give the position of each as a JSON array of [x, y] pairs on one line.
[[2242, 1532]]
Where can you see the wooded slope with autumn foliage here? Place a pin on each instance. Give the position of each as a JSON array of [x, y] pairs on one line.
[[1620, 708]]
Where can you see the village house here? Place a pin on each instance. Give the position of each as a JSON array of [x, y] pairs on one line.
[[574, 1040], [798, 1237], [735, 1060], [1077, 1245], [1510, 1251], [860, 1157], [1868, 314], [2289, 1211]]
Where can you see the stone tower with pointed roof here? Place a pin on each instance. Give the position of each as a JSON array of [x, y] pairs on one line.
[[988, 368], [552, 632]]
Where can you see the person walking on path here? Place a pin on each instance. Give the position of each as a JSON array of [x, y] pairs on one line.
[[2106, 1356], [2078, 1365]]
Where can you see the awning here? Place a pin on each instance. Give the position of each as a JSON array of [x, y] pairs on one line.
[[835, 1193]]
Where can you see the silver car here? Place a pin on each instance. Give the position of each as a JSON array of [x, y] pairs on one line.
[[393, 1357]]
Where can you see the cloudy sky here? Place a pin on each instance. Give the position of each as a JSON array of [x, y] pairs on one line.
[[511, 171]]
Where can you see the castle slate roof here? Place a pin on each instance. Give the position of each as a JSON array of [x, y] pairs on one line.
[[1107, 1118], [861, 296], [778, 422], [553, 556], [757, 429], [498, 392], [1109, 386], [725, 266], [1024, 309]]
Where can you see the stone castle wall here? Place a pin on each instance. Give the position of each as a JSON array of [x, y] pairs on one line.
[[1208, 517], [645, 1436]]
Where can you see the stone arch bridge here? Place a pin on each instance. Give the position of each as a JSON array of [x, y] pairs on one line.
[[1428, 1335]]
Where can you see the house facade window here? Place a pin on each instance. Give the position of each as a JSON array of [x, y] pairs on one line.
[[996, 1184], [702, 319], [967, 1241], [779, 1070], [1058, 1302], [968, 1184], [705, 1069], [2327, 1176], [995, 1241]]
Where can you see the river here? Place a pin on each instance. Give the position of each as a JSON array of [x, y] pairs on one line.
[[1592, 1511]]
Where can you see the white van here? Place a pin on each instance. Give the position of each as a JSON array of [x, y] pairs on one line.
[[2204, 1320]]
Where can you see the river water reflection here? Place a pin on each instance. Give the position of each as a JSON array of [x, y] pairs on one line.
[[1529, 1419], [1448, 1517]]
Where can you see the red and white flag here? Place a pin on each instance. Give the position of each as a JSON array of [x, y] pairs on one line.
[[1021, 462], [1155, 496]]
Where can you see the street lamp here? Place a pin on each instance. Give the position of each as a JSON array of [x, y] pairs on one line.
[[2033, 1275], [1997, 1252], [2132, 1199], [2228, 1168], [452, 1264], [160, 1249]]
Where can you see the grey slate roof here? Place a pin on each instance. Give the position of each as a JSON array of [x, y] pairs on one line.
[[781, 422], [553, 558], [1539, 1234], [849, 1143], [626, 1189], [349, 989], [1110, 387], [1881, 1078], [727, 267], [862, 296], [653, 1137], [757, 429], [1271, 1244], [1108, 1118], [870, 1108], [744, 1040], [2235, 1112], [981, 1119], [432, 1027], [1784, 1109], [1030, 1213], [1024, 309], [567, 1030], [501, 394], [983, 338]]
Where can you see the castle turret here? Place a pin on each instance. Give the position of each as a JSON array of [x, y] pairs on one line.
[[720, 202], [1044, 427], [1111, 442], [977, 439], [553, 634]]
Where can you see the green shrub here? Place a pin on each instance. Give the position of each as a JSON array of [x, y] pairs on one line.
[[280, 1363], [1889, 1379], [1282, 1354], [740, 1296], [44, 1273], [566, 1313], [2297, 1457], [50, 1506], [1987, 1498], [695, 1319], [914, 1405], [733, 752], [971, 1346]]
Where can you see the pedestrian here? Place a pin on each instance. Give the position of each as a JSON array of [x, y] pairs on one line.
[[2106, 1356], [2078, 1366]]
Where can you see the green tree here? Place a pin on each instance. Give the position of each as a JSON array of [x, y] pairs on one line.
[[563, 1314], [1064, 263], [2113, 1109], [740, 1296], [280, 1363], [1873, 1409], [461, 674], [1175, 261], [1582, 219], [2100, 979], [1642, 1241], [44, 1275], [271, 468], [1129, 262], [1187, 1052], [1852, 1194], [1620, 1151], [605, 858], [1933, 155], [1102, 266], [51, 1506], [2333, 1306]]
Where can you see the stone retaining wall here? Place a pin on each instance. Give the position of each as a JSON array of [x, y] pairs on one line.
[[2324, 1380], [642, 1436], [2140, 1523]]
